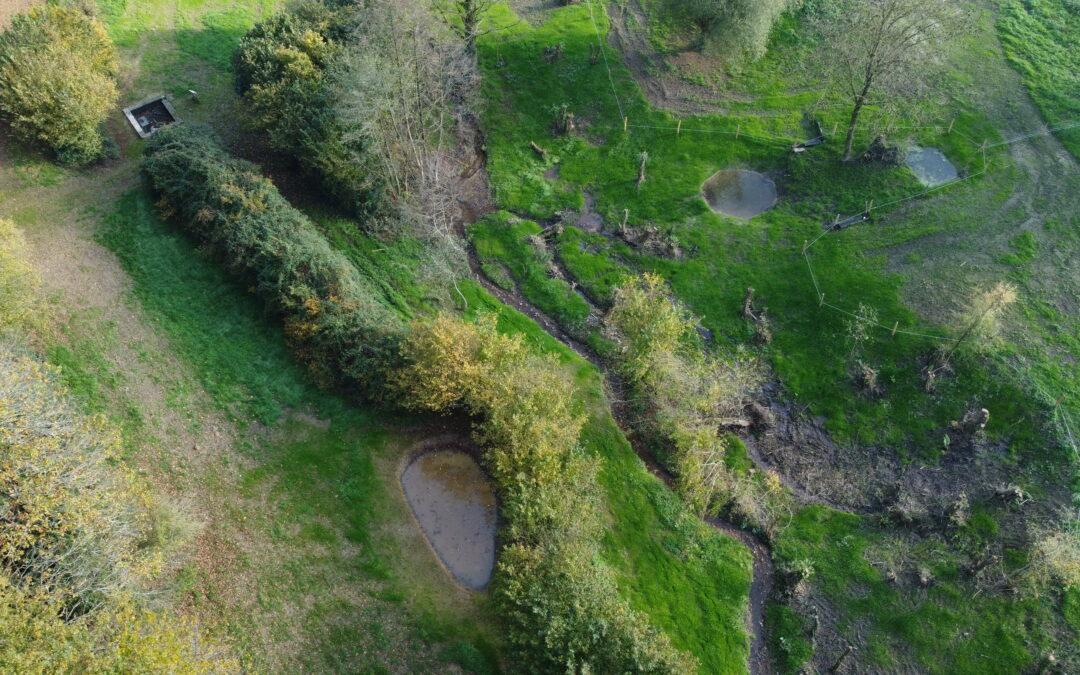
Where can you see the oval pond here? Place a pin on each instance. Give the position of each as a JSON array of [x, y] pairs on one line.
[[930, 166], [455, 507], [739, 193]]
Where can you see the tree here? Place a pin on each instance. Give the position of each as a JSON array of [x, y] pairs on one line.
[[58, 81], [879, 51], [283, 67], [464, 17], [404, 91], [731, 27]]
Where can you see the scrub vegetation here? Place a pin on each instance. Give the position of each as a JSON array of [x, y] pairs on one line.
[[58, 81], [837, 436]]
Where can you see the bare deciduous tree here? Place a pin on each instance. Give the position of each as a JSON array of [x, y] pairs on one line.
[[881, 51], [405, 87], [464, 17]]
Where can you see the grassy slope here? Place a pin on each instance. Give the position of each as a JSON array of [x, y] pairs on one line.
[[322, 493], [690, 581], [1040, 42], [524, 89]]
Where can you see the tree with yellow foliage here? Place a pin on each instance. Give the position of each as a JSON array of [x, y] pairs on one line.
[[564, 612], [58, 80]]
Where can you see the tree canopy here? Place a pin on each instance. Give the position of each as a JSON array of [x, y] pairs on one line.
[[58, 80]]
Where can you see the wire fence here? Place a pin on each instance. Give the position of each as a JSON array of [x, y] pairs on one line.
[[894, 329]]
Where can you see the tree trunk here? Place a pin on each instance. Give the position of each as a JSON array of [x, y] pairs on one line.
[[851, 129], [470, 20], [860, 99]]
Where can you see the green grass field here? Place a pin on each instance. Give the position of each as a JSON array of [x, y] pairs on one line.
[[1040, 41], [942, 630], [524, 91]]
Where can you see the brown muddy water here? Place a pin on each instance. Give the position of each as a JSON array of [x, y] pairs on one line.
[[455, 506], [739, 193], [930, 166]]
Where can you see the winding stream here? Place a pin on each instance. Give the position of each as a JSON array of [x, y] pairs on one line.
[[763, 571]]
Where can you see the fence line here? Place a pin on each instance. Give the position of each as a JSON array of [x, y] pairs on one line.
[[603, 52], [895, 329]]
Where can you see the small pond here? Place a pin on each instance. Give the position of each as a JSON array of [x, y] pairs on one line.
[[455, 506], [930, 166], [739, 193]]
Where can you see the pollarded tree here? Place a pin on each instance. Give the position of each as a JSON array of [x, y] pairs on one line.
[[58, 80], [882, 51]]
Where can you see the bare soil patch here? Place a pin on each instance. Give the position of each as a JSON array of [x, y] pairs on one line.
[[9, 8]]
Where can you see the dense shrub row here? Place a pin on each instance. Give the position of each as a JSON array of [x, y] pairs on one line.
[[58, 80], [284, 69], [333, 315], [562, 604], [563, 609], [686, 399], [73, 523]]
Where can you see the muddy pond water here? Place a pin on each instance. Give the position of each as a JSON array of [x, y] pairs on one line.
[[455, 506], [930, 166], [739, 193]]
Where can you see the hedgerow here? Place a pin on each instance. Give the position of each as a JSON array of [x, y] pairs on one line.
[[563, 609], [333, 316], [284, 70]]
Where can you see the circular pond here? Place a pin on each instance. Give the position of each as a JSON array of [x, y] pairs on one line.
[[930, 166], [455, 507], [739, 193]]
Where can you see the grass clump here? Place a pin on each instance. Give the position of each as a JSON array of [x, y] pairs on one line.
[[787, 638], [521, 248], [592, 259]]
